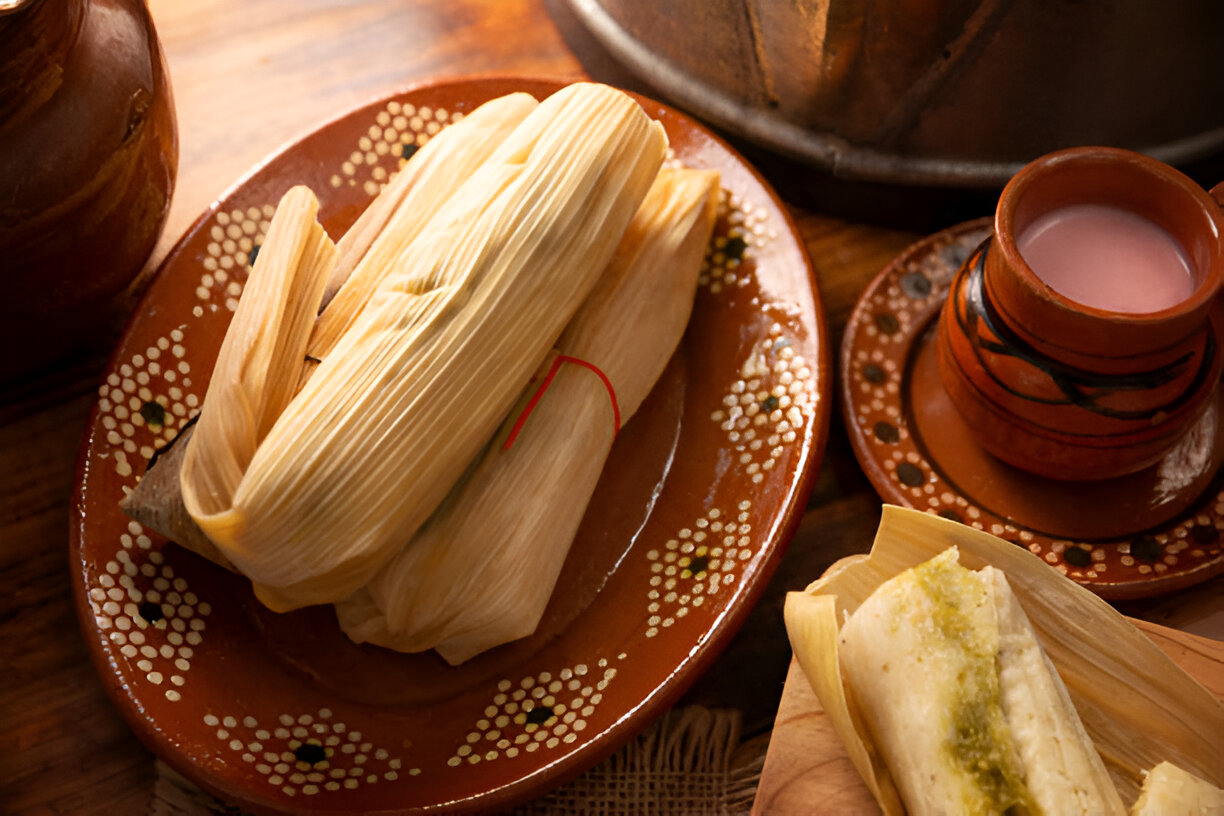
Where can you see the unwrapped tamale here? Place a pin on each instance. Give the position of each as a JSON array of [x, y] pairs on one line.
[[480, 572], [1171, 791], [1104, 663], [967, 711]]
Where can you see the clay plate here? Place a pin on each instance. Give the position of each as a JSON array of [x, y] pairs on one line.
[[1131, 537], [703, 488]]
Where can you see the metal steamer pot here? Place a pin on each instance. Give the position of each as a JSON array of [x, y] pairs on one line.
[[943, 93]]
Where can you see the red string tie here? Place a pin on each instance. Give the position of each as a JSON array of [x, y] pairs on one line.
[[547, 381]]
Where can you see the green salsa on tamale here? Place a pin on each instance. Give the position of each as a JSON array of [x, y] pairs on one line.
[[964, 711], [979, 743]]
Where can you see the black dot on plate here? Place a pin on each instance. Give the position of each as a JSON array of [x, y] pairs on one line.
[[954, 254], [1077, 556], [734, 248], [874, 374], [152, 612], [406, 150], [916, 285], [539, 715], [769, 403], [253, 254], [887, 323], [153, 413], [1146, 549], [910, 474], [886, 432], [699, 564], [310, 753], [1204, 534], [950, 515]]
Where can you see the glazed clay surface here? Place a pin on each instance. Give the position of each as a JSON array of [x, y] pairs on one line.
[[1067, 390], [88, 155]]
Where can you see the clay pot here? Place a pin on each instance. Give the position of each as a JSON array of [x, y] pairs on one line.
[[88, 156], [1063, 389]]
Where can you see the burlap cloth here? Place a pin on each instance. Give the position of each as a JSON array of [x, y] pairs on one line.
[[691, 762]]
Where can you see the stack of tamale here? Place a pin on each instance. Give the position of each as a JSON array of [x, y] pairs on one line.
[[500, 548], [375, 454]]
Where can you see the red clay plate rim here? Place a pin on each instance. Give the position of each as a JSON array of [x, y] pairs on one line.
[[809, 453]]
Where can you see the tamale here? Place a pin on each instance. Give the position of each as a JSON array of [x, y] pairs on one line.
[[420, 381], [363, 255], [1170, 791], [262, 355], [967, 712], [481, 571], [369, 249], [1105, 663]]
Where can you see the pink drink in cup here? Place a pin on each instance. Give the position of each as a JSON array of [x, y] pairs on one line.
[[1085, 339], [1108, 258]]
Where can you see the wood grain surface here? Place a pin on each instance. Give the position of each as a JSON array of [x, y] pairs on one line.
[[807, 763], [248, 77]]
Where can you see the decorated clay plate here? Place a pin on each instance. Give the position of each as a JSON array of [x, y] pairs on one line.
[[1129, 537], [280, 712]]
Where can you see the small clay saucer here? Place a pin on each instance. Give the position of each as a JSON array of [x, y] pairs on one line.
[[1134, 536]]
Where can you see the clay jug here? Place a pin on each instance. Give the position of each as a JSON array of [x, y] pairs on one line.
[[88, 156]]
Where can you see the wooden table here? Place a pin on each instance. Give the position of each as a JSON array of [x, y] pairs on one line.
[[248, 77]]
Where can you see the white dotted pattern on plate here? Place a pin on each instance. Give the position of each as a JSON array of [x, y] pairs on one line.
[[745, 232], [146, 400], [307, 753], [540, 712], [234, 241], [696, 564], [399, 130], [150, 614], [764, 409]]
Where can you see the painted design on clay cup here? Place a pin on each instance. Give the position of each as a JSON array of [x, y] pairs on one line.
[[1065, 388]]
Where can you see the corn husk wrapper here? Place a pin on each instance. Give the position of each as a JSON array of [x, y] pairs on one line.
[[419, 382], [257, 368], [366, 252], [157, 502], [1138, 707], [481, 571], [370, 248]]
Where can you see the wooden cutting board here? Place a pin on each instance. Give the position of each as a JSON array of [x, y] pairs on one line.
[[807, 771]]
